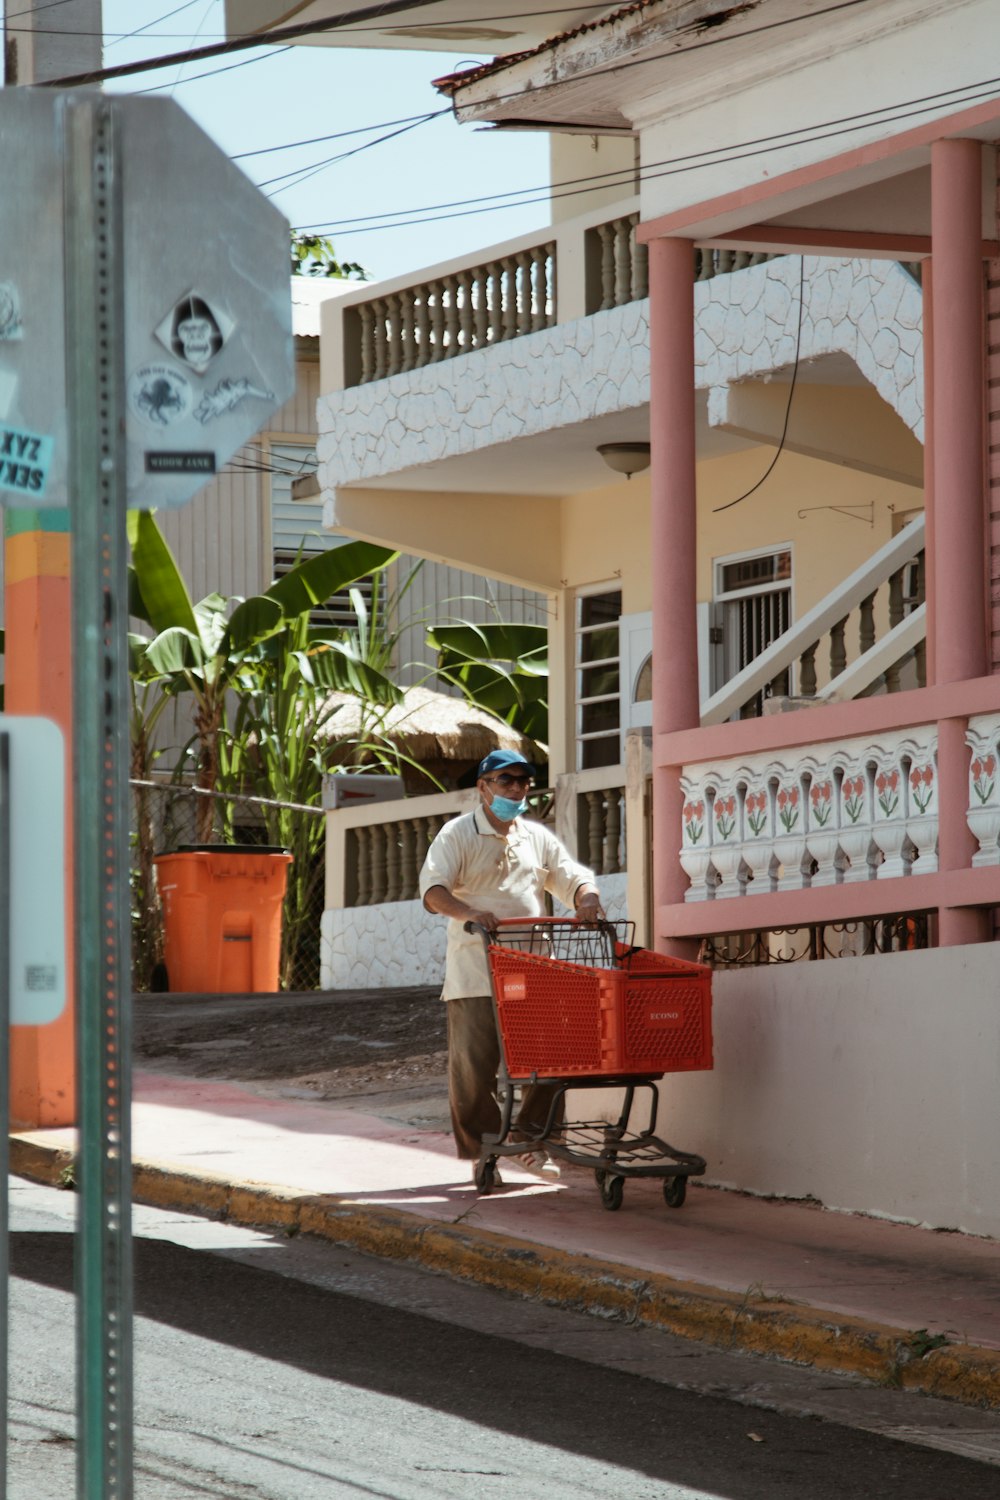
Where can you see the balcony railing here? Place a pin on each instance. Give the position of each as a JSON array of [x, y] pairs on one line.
[[375, 852], [837, 813], [871, 630], [506, 292], [455, 314]]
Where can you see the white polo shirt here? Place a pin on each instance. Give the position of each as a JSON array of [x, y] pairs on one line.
[[506, 874]]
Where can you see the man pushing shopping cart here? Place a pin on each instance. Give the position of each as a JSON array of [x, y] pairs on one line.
[[537, 1005], [484, 866]]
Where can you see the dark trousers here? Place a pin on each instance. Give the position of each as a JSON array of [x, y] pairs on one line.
[[473, 1060]]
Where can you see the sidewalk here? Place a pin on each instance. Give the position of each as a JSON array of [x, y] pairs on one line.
[[785, 1279]]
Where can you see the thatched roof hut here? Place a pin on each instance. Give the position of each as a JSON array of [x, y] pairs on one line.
[[444, 734]]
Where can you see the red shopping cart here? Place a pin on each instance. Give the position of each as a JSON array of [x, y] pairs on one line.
[[577, 1005]]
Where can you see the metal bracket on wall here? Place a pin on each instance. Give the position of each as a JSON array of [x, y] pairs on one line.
[[845, 510]]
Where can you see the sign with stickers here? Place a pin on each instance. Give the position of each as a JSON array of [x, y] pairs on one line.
[[208, 342]]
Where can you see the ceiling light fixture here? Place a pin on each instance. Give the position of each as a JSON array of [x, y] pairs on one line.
[[625, 458]]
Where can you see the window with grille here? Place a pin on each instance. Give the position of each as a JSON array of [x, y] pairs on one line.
[[297, 529], [598, 679], [753, 598]]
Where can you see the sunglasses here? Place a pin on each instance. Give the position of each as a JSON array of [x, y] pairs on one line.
[[506, 782]]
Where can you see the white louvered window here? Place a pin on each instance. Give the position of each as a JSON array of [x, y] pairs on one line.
[[598, 679], [297, 528]]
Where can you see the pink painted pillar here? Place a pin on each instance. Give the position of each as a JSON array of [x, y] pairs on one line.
[[958, 536], [674, 528], [930, 549]]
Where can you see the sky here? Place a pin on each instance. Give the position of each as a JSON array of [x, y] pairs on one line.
[[273, 99]]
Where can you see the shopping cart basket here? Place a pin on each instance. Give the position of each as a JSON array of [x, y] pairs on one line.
[[578, 1006]]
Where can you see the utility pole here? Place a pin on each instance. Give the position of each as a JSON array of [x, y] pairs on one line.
[[77, 1070], [42, 41]]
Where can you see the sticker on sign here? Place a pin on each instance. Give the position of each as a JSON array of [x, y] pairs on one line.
[[25, 458]]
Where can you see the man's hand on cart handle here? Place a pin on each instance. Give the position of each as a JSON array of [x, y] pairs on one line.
[[445, 904], [588, 906]]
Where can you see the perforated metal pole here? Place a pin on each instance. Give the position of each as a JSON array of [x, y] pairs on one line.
[[95, 393], [4, 1091]]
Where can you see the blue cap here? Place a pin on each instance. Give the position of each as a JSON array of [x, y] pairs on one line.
[[497, 759]]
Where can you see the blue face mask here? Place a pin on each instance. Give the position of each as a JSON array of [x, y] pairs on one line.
[[506, 809]]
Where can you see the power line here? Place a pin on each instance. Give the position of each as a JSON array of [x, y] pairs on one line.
[[669, 166], [155, 88], [788, 405], [302, 174], [351, 20], [317, 140], [517, 15], [125, 36], [717, 41]]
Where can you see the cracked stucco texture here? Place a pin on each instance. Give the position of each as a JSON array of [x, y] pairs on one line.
[[746, 327]]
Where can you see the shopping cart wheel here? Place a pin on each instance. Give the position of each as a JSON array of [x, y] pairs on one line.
[[486, 1173], [611, 1189], [674, 1191]]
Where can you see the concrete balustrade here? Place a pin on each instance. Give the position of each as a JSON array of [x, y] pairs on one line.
[[582, 266]]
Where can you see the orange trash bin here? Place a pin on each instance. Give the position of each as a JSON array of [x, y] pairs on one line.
[[222, 917]]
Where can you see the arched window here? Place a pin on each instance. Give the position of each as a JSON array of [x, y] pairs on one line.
[[643, 692]]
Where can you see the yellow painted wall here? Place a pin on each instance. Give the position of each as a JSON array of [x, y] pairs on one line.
[[606, 532], [827, 545], [576, 157]]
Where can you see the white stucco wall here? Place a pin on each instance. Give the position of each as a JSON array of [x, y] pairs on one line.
[[870, 1084], [746, 327]]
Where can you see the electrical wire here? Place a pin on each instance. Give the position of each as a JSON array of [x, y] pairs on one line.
[[683, 51], [517, 15], [155, 88], [126, 36], [352, 21], [671, 166], [317, 140], [243, 43], [716, 510], [302, 174]]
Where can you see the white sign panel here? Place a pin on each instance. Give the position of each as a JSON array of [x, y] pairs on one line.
[[37, 869], [207, 303], [208, 332], [32, 314]]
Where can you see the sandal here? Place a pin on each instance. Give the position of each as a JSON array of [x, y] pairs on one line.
[[538, 1164]]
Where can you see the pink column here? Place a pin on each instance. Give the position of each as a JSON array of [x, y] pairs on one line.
[[930, 549], [958, 535], [674, 527]]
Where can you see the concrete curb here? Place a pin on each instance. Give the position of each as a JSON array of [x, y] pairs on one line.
[[757, 1324]]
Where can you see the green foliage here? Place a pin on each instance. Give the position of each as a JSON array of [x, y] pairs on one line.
[[260, 675], [500, 667], [922, 1343], [314, 255]]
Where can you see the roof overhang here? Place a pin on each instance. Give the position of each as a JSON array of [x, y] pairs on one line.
[[874, 200], [599, 76], [418, 25]]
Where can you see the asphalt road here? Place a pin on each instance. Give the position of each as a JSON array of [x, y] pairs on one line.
[[270, 1370]]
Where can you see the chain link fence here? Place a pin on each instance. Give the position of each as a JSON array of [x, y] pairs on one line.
[[168, 818]]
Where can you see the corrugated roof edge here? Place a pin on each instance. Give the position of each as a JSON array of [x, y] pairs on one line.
[[450, 83]]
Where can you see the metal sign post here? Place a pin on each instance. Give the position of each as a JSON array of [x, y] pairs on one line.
[[145, 335], [5, 802], [95, 388]]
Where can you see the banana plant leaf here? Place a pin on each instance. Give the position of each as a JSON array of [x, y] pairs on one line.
[[311, 583], [159, 587]]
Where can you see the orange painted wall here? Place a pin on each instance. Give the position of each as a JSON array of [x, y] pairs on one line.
[[38, 680]]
